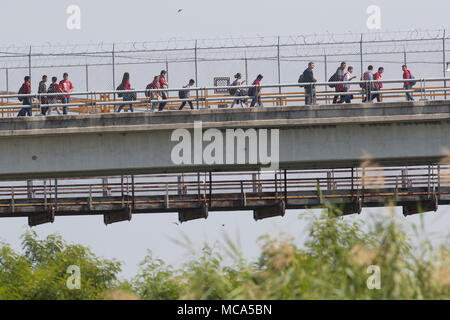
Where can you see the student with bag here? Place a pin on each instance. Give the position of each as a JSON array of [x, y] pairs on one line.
[[53, 88], [43, 89], [238, 92], [26, 101], [153, 95], [338, 76], [127, 96], [255, 91], [163, 84], [307, 79], [186, 94], [347, 98], [407, 85]]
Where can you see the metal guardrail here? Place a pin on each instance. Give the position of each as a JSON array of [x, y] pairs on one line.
[[203, 99], [431, 177]]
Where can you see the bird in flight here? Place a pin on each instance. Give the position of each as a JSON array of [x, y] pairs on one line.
[[179, 10]]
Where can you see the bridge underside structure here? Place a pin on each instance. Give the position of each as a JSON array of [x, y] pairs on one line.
[[193, 196], [310, 137]]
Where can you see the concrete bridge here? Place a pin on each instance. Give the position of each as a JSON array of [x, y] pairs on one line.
[[320, 136]]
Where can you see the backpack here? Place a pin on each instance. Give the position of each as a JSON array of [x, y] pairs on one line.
[[301, 79], [148, 94], [233, 91], [411, 83], [120, 88], [182, 93], [333, 78], [21, 91], [363, 78], [52, 88]]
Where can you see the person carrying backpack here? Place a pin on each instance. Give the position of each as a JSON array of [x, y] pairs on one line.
[[53, 88], [310, 90], [347, 98], [43, 89], [26, 101], [339, 76], [255, 91], [377, 86], [238, 92], [153, 95], [163, 84], [125, 85], [407, 85], [367, 76], [186, 94]]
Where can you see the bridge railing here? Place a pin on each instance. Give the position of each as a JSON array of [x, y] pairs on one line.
[[204, 97], [429, 178]]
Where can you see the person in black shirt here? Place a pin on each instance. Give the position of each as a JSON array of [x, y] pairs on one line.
[[310, 91]]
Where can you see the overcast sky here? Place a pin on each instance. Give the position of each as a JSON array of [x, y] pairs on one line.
[[42, 21], [110, 20]]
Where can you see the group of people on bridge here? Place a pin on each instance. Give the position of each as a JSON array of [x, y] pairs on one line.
[[371, 90]]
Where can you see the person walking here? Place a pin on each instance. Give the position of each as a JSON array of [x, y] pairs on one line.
[[163, 84], [255, 92], [26, 101], [126, 96], [377, 86], [347, 98], [339, 77], [310, 90], [43, 89], [407, 85], [368, 87], [186, 94], [238, 92], [154, 95], [53, 99], [67, 87]]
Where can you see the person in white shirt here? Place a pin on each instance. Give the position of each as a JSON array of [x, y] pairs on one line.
[[347, 98]]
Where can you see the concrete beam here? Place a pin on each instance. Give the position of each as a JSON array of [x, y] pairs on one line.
[[309, 137]]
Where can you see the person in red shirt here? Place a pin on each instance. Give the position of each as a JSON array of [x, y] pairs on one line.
[[154, 95], [125, 85], [407, 85], [255, 91], [163, 84], [67, 87], [377, 85], [26, 89]]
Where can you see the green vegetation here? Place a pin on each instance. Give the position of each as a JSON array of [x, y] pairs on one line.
[[332, 264]]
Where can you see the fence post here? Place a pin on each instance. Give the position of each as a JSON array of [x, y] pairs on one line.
[[114, 70], [326, 73], [361, 54], [7, 83], [167, 72], [444, 65], [246, 68], [279, 68], [29, 63], [196, 71]]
